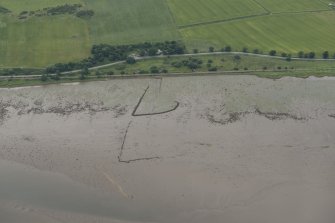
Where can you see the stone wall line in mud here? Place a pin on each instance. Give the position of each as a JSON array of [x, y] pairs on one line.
[[236, 116], [122, 148], [233, 117], [278, 115], [139, 102], [61, 108], [159, 113], [152, 113]]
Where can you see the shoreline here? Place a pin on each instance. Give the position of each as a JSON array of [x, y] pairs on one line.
[[69, 81]]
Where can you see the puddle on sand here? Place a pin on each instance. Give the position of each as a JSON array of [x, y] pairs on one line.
[[33, 188]]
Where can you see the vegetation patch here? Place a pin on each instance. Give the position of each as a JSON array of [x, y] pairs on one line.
[[67, 9], [3, 10], [20, 71]]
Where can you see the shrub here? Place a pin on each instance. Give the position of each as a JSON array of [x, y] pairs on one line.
[[212, 69], [227, 48], [44, 77], [283, 54], [301, 54], [325, 55], [154, 70], [85, 14], [272, 53]]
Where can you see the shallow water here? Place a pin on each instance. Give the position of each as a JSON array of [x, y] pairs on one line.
[[238, 149]]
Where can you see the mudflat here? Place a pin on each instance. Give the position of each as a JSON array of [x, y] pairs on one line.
[[180, 149]]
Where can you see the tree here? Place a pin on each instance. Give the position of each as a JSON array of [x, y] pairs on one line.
[[311, 55], [245, 50], [283, 54], [211, 49], [301, 54], [142, 53], [325, 55], [152, 52], [131, 60], [256, 51], [272, 53], [195, 51]]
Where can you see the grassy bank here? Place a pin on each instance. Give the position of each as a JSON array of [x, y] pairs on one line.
[[223, 63], [196, 65]]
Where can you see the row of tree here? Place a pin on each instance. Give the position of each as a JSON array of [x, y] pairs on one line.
[[301, 54], [104, 53], [71, 9]]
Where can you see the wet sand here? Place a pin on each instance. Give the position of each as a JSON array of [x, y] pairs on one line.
[[187, 149]]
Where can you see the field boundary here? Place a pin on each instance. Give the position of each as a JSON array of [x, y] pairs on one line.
[[258, 3]]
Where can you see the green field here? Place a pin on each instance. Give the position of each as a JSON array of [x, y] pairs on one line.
[[285, 33], [131, 21], [293, 6], [283, 25]]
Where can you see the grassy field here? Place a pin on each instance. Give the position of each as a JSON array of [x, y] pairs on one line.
[[288, 33], [38, 42], [283, 25], [131, 21]]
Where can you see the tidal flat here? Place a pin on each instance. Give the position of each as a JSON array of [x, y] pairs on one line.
[[173, 149]]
